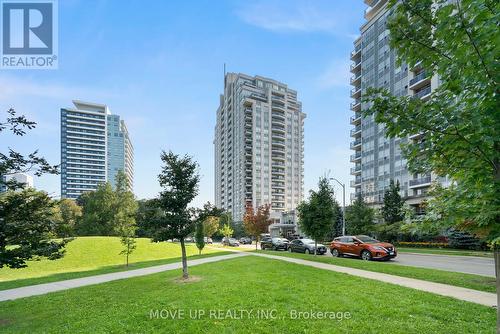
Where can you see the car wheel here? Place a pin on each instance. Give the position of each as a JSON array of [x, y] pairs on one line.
[[366, 255], [262, 247], [307, 251], [335, 252]]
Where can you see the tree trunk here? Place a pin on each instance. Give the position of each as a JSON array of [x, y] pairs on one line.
[[497, 274], [184, 260], [315, 246], [256, 241]]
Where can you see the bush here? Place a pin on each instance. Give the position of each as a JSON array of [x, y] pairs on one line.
[[423, 244]]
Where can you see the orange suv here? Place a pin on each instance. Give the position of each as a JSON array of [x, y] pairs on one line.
[[362, 246]]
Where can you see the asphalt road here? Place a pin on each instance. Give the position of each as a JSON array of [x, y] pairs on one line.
[[484, 266], [465, 264]]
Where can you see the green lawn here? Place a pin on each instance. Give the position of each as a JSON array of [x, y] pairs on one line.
[[445, 251], [262, 286], [476, 282], [86, 256]]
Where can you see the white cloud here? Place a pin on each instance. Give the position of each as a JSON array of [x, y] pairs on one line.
[[297, 15], [336, 74]]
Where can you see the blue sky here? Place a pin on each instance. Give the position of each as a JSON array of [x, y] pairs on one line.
[[159, 64]]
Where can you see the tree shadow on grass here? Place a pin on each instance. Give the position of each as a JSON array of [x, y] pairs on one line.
[[99, 271]]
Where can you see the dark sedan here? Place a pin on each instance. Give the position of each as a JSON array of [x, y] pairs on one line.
[[306, 246], [245, 241], [274, 243]]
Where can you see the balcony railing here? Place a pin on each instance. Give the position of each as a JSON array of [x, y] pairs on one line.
[[423, 92], [421, 76], [420, 181], [355, 130], [355, 143], [356, 156]]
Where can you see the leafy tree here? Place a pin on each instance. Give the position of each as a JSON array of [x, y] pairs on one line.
[[359, 217], [125, 210], [227, 231], [179, 178], [147, 211], [26, 217], [67, 213], [210, 225], [27, 228], [126, 231], [457, 42], [98, 213], [392, 210], [317, 216], [336, 229], [200, 236], [15, 162], [256, 223], [460, 122]]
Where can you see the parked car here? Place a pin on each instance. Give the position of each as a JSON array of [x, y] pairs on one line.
[[306, 246], [189, 239], [274, 243], [208, 240], [230, 242], [362, 246], [245, 241]]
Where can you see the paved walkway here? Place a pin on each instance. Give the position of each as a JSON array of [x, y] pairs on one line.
[[469, 295], [40, 289]]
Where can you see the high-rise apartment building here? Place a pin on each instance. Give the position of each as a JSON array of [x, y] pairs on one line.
[[90, 148], [259, 146], [120, 151], [378, 159]]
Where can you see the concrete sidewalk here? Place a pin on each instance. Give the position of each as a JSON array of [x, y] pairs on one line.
[[469, 295], [40, 289]]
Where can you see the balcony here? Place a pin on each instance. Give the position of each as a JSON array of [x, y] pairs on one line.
[[356, 182], [356, 144], [356, 79], [356, 67], [356, 170], [356, 52], [356, 131], [356, 119], [420, 80], [356, 157], [423, 94], [356, 92], [421, 182], [356, 105]]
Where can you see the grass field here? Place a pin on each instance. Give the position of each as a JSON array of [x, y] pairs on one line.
[[476, 282], [445, 251], [86, 256], [250, 284]]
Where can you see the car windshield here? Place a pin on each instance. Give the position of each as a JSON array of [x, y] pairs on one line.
[[232, 239], [279, 239], [366, 239], [307, 241]]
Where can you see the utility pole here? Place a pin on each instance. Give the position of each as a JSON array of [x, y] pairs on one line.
[[343, 203]]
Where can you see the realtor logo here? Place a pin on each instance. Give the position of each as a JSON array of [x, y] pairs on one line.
[[28, 34]]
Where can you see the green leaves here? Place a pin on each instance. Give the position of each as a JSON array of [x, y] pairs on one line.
[[359, 218], [458, 42], [317, 216]]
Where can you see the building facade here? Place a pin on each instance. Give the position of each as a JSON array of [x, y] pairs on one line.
[[376, 158], [19, 178], [85, 148], [259, 146], [120, 152]]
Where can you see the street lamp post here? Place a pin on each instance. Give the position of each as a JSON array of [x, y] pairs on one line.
[[343, 203]]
